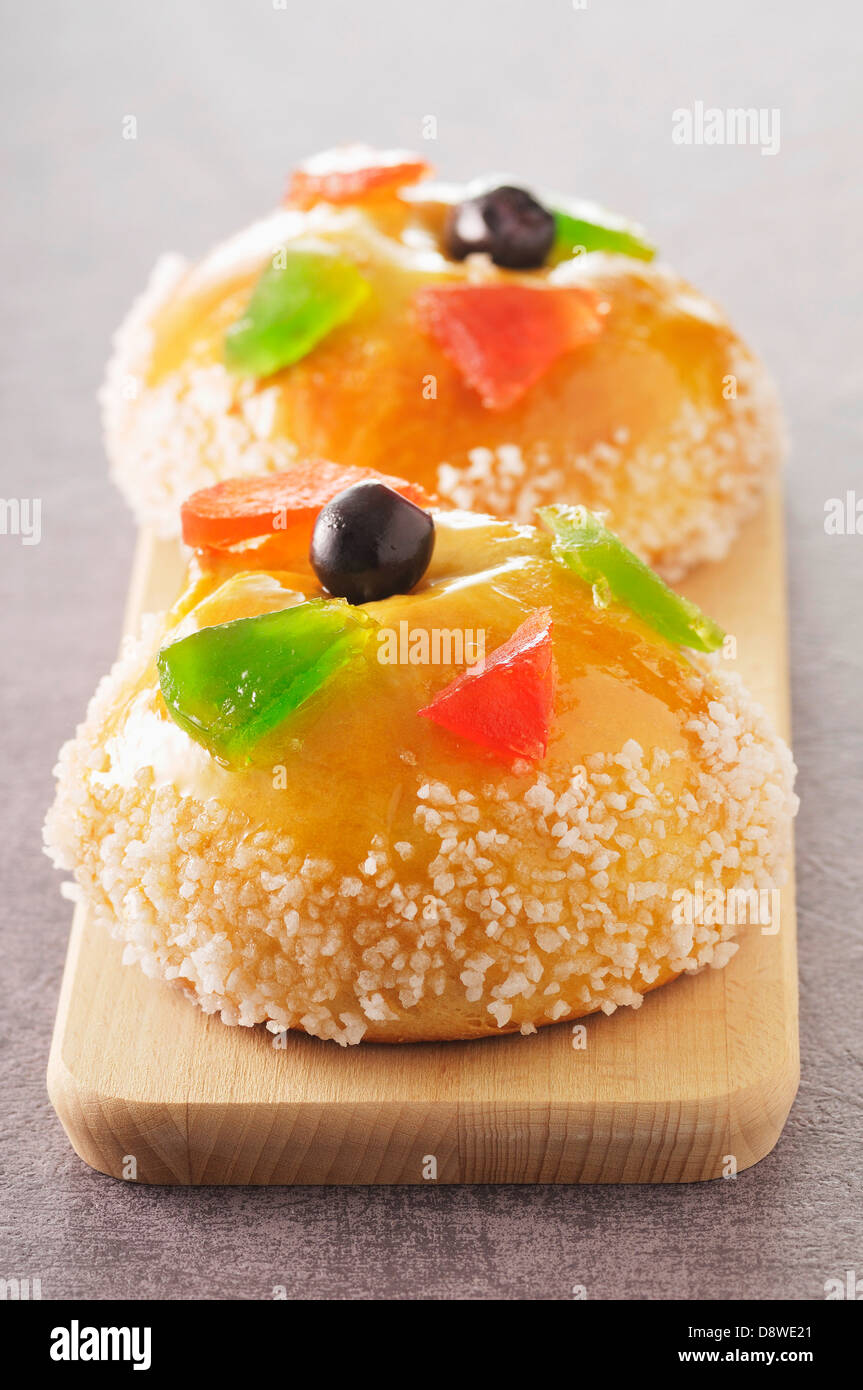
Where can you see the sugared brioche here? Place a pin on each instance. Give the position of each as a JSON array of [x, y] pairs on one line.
[[595, 378], [378, 863]]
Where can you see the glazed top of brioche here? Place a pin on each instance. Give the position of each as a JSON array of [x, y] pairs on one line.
[[368, 732], [398, 322]]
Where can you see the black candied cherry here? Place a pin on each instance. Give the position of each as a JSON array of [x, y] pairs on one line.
[[370, 542], [507, 223]]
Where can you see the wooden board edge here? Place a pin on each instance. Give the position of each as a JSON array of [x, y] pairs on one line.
[[696, 1140]]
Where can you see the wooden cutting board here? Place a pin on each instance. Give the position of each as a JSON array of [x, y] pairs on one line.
[[696, 1084]]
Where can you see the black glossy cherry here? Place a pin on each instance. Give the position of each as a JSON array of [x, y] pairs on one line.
[[369, 542], [507, 223]]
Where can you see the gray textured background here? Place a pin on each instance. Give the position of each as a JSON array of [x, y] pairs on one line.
[[227, 95]]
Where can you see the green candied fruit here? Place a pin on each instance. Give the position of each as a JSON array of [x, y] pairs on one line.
[[596, 555], [231, 685], [573, 233], [299, 298]]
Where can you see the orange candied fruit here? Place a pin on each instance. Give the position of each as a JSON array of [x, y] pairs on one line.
[[352, 173]]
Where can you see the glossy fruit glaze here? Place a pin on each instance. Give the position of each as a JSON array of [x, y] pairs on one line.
[[379, 392], [349, 762]]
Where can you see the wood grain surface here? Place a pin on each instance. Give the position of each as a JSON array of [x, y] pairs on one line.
[[698, 1080]]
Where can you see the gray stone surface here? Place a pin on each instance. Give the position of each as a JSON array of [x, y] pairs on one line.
[[227, 95]]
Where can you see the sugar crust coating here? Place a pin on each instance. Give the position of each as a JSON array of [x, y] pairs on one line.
[[529, 910]]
